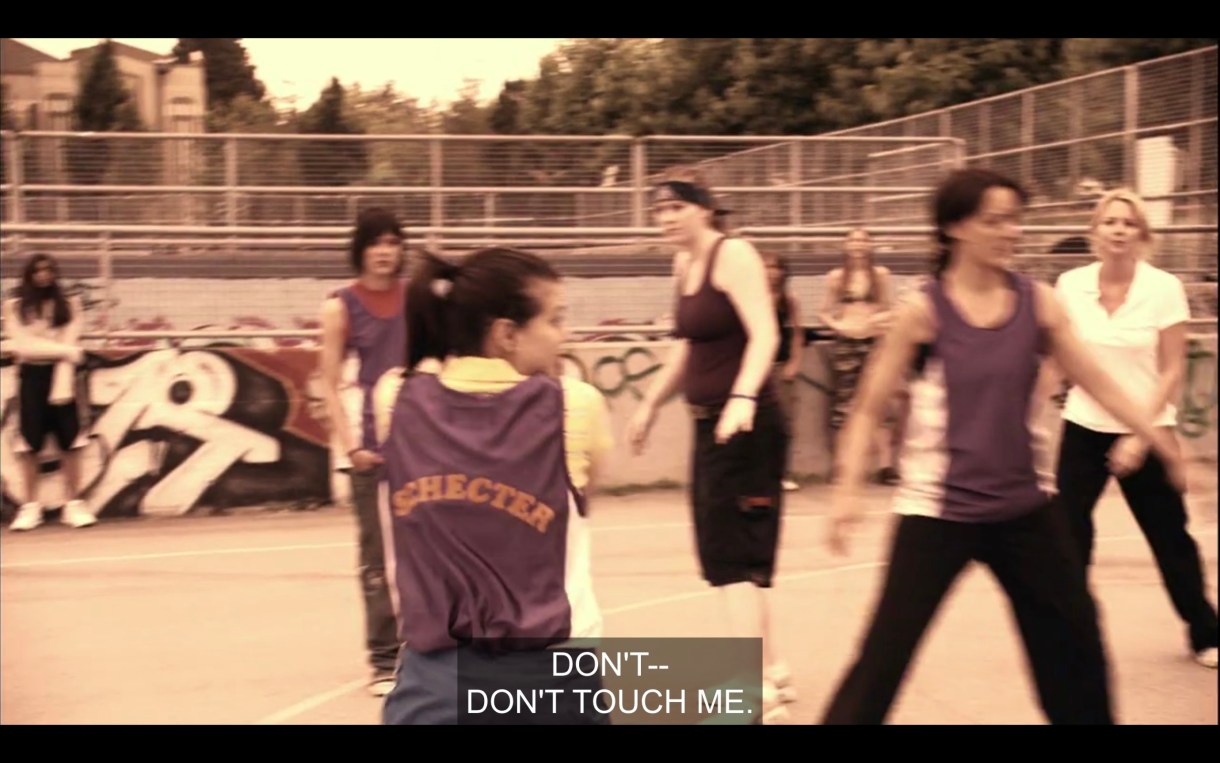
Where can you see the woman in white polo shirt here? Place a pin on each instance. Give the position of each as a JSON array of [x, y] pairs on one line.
[[1133, 317]]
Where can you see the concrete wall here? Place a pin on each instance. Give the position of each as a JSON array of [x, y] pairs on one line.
[[175, 431], [624, 371]]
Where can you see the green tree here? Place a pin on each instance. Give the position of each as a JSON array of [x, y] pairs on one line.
[[336, 162], [385, 111], [325, 162], [103, 105], [1084, 55], [228, 70]]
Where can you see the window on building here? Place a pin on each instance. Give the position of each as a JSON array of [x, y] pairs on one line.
[[59, 112]]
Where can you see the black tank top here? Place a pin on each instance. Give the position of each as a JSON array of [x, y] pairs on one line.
[[784, 353], [717, 339]]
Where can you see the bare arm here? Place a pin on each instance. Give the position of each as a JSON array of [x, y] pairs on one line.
[[666, 383], [741, 275], [334, 333], [831, 304], [884, 373], [885, 290], [1171, 362], [886, 369], [1078, 365], [1171, 348]]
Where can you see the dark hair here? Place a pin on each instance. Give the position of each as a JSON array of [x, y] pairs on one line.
[[1072, 245], [781, 262], [450, 307], [845, 281], [31, 296], [372, 224], [959, 196]]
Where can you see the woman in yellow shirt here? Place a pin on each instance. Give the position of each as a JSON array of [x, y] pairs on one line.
[[488, 462]]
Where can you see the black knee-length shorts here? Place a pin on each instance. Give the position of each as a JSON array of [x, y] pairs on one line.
[[38, 417], [737, 497]]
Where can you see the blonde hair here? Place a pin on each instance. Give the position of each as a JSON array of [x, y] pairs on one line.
[[1146, 249]]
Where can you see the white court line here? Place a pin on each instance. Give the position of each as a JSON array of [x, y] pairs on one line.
[[817, 573], [304, 706], [659, 525], [311, 703], [170, 555], [708, 591], [307, 547], [321, 699]]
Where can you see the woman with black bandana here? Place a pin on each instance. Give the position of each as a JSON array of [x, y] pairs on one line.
[[727, 339]]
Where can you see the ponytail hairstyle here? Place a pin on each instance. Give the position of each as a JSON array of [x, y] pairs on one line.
[[451, 307]]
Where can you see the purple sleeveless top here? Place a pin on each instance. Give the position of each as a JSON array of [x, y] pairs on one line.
[[970, 452], [717, 342], [479, 509], [380, 343]]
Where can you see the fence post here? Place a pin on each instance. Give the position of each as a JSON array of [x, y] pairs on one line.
[[1027, 139], [231, 181], [437, 218], [1131, 106], [639, 178], [16, 174], [794, 177], [107, 274]]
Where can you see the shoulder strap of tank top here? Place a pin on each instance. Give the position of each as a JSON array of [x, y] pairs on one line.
[[711, 264], [942, 311], [1024, 287], [347, 295]]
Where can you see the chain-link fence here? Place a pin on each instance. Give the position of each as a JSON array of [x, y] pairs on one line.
[[1150, 127], [227, 215], [444, 181]]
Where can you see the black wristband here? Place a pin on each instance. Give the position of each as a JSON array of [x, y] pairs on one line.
[[743, 397]]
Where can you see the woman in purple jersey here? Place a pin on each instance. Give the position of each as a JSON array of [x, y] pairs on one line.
[[487, 460], [970, 484], [365, 318]]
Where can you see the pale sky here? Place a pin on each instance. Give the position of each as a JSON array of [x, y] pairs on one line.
[[423, 68]]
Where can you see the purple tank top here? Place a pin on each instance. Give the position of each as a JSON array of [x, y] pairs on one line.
[[717, 340], [969, 454], [380, 343], [479, 507]]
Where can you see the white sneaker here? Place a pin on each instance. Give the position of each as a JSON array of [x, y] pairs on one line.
[[789, 485], [382, 684], [76, 514], [29, 516], [780, 676], [774, 712], [1207, 658]]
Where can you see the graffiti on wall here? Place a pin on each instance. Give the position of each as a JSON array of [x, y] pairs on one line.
[[615, 374], [178, 431], [627, 371], [1197, 410]]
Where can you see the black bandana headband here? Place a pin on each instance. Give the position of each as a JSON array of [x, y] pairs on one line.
[[676, 190]]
